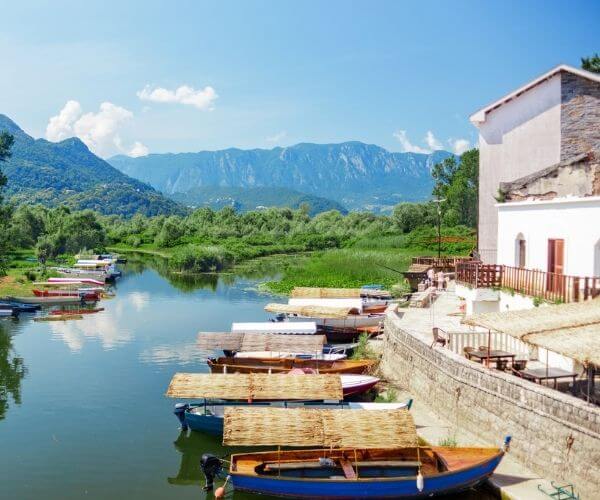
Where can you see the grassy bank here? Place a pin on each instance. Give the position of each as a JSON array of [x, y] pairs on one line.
[[346, 268], [23, 271]]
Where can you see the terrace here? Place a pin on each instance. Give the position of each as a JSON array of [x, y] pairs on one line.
[[551, 287]]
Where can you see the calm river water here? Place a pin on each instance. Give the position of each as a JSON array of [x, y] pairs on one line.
[[82, 406]]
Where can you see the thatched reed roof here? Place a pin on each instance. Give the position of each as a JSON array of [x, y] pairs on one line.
[[255, 386], [312, 311], [261, 342], [266, 426], [566, 329], [325, 293]]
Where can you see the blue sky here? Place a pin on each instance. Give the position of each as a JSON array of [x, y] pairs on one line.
[[265, 73]]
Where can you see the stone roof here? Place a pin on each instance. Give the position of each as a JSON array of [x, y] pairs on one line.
[[522, 182]]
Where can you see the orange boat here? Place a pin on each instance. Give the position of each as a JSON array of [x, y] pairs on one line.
[[283, 365]]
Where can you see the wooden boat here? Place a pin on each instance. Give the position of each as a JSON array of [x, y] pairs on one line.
[[47, 300], [349, 473], [75, 280], [291, 355], [346, 462], [19, 306], [207, 416], [7, 313], [277, 365], [82, 294], [63, 312]]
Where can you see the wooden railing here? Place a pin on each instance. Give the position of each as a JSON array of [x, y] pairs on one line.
[[442, 262], [547, 286], [479, 275]]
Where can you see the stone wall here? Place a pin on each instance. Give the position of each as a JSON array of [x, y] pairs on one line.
[[580, 115], [556, 435]]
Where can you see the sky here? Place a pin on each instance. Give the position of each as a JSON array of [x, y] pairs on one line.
[[139, 77]]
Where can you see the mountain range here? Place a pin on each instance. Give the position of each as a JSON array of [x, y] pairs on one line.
[[357, 175], [67, 172]]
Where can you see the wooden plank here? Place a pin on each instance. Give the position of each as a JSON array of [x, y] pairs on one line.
[[348, 469]]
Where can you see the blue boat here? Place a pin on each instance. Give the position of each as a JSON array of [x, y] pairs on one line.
[[363, 474], [356, 455], [207, 416], [19, 306]]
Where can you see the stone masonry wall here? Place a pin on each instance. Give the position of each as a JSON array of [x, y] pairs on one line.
[[554, 434], [580, 115]]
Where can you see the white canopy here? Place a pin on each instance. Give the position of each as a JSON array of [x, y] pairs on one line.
[[348, 303], [283, 327]]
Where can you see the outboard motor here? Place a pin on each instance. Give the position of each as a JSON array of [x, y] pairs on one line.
[[179, 412], [279, 318], [212, 466]]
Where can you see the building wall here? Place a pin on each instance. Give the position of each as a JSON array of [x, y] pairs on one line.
[[574, 220], [580, 115], [555, 434], [517, 139]]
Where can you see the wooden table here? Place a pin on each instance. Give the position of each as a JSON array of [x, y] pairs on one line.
[[493, 355], [540, 374]]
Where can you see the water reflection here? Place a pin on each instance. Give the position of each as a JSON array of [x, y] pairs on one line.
[[191, 445], [108, 326], [181, 354], [12, 371]]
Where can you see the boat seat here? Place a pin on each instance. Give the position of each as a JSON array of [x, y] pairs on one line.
[[317, 465]]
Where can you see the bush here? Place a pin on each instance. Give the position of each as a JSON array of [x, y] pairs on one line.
[[199, 259]]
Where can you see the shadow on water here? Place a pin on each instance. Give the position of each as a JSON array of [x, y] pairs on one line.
[[12, 370]]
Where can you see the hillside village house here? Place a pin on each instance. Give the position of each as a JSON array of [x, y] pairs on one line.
[[539, 192]]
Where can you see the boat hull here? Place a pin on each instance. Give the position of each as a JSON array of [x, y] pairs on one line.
[[435, 485], [48, 300], [274, 365]]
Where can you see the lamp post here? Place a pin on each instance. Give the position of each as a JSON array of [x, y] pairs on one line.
[[439, 202]]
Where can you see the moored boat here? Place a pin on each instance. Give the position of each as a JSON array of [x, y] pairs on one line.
[[292, 355], [207, 416], [47, 300], [77, 280], [19, 306], [282, 365], [346, 462]]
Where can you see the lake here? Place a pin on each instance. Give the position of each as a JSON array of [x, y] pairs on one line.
[[82, 406]]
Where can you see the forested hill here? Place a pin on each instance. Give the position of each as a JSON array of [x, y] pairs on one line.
[[358, 175], [67, 172], [247, 199]]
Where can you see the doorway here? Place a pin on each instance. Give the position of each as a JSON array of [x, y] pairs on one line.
[[556, 264]]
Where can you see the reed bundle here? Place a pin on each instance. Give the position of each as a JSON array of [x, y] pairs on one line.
[[246, 426], [255, 386], [312, 311], [244, 342]]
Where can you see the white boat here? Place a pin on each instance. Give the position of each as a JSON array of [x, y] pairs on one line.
[[354, 304], [280, 327], [281, 355], [77, 280]]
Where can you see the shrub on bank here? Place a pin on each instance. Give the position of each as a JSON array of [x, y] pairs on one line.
[[200, 259]]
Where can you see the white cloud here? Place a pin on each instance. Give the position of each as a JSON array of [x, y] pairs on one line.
[[201, 99], [138, 149], [407, 146], [61, 126], [459, 146], [432, 143], [99, 131], [274, 139]]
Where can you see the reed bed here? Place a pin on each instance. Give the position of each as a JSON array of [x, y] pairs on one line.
[[320, 428]]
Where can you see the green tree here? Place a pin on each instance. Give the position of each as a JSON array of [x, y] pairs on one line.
[[6, 142], [457, 183], [591, 63], [410, 216]]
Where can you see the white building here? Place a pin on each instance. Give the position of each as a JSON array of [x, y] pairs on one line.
[[539, 191], [552, 119]]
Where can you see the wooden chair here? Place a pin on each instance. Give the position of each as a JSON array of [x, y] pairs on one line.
[[467, 352], [440, 337], [501, 364], [519, 364]]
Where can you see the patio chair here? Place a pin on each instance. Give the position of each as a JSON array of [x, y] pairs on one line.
[[467, 351], [440, 337], [519, 364], [501, 364]]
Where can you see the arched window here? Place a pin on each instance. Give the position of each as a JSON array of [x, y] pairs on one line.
[[520, 251]]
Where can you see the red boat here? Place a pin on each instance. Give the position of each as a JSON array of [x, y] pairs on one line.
[[92, 295]]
